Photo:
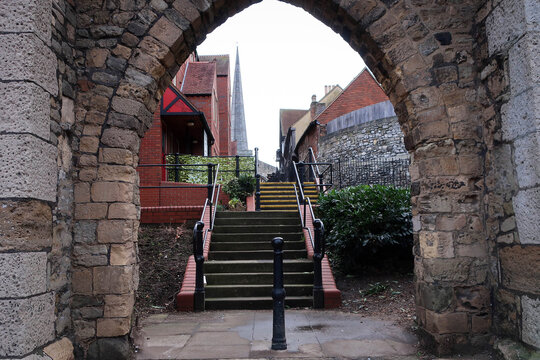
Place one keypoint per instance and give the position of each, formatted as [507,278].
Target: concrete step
[256,221]
[233,291]
[251,214]
[253,303]
[256,237]
[257,278]
[258,245]
[268,229]
[279,207]
[258,266]
[255,255]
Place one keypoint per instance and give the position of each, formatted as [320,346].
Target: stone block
[68,110]
[81,192]
[26,57]
[526,160]
[519,268]
[85,232]
[60,350]
[37,16]
[110,327]
[473,299]
[521,115]
[480,324]
[90,211]
[121,139]
[509,21]
[113,279]
[96,57]
[167,32]
[115,231]
[527,209]
[116,156]
[23,274]
[89,144]
[26,324]
[119,305]
[112,191]
[25,225]
[25,108]
[530,328]
[524,63]
[122,254]
[126,174]
[446,323]
[123,211]
[464,270]
[436,244]
[148,64]
[84,329]
[110,348]
[82,281]
[28,168]
[435,297]
[90,255]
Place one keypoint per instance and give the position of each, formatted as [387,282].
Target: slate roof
[287,117]
[199,78]
[222,63]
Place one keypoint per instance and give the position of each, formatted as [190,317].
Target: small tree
[240,187]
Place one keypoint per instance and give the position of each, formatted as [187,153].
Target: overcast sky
[286,56]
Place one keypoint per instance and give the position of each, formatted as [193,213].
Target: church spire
[238,123]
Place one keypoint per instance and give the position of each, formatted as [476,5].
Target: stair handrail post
[237,170]
[257,182]
[318,255]
[279,342]
[176,172]
[300,173]
[210,180]
[310,160]
[198,252]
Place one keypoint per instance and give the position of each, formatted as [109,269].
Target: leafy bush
[365,221]
[199,174]
[240,187]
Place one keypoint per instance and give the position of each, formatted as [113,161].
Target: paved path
[248,335]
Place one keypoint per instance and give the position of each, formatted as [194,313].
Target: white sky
[286,56]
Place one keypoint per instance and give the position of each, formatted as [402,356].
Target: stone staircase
[239,270]
[280,195]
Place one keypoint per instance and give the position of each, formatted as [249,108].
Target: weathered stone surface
[118,173]
[519,268]
[25,225]
[524,63]
[25,108]
[436,244]
[108,327]
[167,32]
[26,324]
[36,14]
[521,115]
[122,254]
[116,156]
[115,231]
[526,160]
[121,138]
[23,274]
[113,279]
[435,297]
[82,281]
[445,323]
[505,24]
[473,299]
[84,329]
[27,168]
[85,232]
[90,255]
[119,305]
[112,191]
[32,61]
[530,329]
[89,144]
[110,349]
[527,209]
[60,350]
[123,211]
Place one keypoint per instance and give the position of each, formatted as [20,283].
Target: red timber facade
[192,119]
[363,91]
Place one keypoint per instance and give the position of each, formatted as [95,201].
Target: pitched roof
[199,78]
[222,63]
[363,91]
[287,117]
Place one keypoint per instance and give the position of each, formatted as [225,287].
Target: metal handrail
[298,182]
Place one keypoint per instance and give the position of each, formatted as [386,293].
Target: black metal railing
[358,171]
[317,240]
[257,182]
[199,240]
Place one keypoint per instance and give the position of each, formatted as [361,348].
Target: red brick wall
[223,90]
[151,153]
[204,104]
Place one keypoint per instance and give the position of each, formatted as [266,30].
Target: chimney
[313,106]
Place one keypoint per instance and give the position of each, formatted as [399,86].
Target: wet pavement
[248,335]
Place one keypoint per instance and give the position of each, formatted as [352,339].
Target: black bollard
[278,294]
[318,255]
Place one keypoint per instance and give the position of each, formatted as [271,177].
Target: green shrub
[240,187]
[364,223]
[199,174]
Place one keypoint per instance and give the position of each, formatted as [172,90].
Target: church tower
[238,121]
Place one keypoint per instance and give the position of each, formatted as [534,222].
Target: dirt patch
[384,296]
[163,254]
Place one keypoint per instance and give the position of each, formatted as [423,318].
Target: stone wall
[38,81]
[377,139]
[80,81]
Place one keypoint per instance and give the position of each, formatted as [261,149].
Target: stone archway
[444,72]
